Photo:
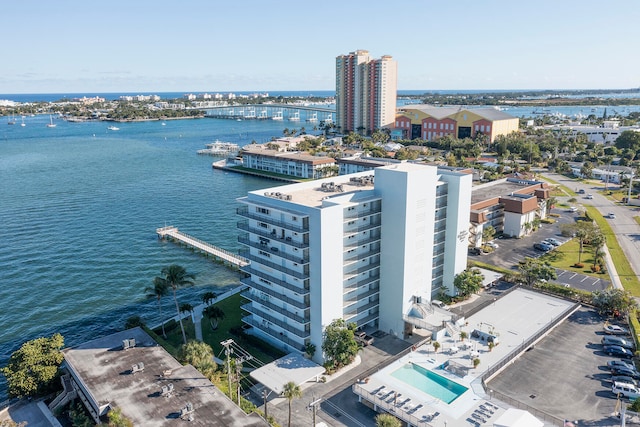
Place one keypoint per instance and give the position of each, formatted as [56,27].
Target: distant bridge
[288,112]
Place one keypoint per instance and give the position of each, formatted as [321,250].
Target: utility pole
[227,351]
[313,406]
[265,394]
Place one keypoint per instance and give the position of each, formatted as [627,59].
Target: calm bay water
[79,206]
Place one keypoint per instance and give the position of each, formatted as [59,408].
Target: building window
[262,210]
[263,225]
[488,128]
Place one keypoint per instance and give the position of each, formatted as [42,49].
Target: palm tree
[213,313]
[291,391]
[159,290]
[207,297]
[176,276]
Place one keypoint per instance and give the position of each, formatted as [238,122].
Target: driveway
[624,226]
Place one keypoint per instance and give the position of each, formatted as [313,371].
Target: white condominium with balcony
[362,247]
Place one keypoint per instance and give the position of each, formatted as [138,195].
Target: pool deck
[515,318]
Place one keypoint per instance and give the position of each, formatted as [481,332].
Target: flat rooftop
[514,318]
[103,368]
[495,189]
[314,193]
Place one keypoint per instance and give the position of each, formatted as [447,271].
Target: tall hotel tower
[366,91]
[363,247]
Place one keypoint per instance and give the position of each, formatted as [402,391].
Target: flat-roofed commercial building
[429,122]
[366,92]
[130,371]
[361,247]
[509,205]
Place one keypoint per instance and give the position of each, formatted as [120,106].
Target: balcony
[349,287]
[366,319]
[265,261]
[269,304]
[302,305]
[267,247]
[271,235]
[370,266]
[375,208]
[302,228]
[264,315]
[249,320]
[354,230]
[361,255]
[303,289]
[354,243]
[352,297]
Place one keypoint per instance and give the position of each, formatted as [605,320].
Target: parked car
[439,304]
[619,370]
[573,209]
[611,215]
[612,363]
[475,251]
[551,241]
[615,329]
[589,196]
[616,350]
[623,379]
[364,339]
[613,340]
[626,390]
[581,191]
[493,245]
[542,246]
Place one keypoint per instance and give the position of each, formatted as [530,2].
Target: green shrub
[578,265]
[548,221]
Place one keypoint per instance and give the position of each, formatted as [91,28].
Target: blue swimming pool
[429,382]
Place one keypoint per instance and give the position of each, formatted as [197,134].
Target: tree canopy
[200,356]
[613,301]
[628,139]
[387,420]
[468,282]
[533,270]
[339,344]
[34,366]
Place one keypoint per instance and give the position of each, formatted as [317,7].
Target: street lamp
[630,185]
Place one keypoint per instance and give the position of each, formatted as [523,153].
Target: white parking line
[595,281]
[562,272]
[574,275]
[585,278]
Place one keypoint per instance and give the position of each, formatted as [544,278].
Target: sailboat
[51,124]
[22,124]
[12,120]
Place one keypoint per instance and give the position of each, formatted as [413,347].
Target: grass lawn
[637,219]
[231,308]
[566,255]
[627,276]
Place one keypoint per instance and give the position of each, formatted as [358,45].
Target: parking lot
[510,251]
[565,374]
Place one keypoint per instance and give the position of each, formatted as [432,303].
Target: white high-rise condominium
[366,92]
[361,247]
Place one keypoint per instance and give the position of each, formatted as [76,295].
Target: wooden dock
[195,243]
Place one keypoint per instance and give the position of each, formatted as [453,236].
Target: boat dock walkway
[195,243]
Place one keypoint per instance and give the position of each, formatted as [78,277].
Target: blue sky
[147,46]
